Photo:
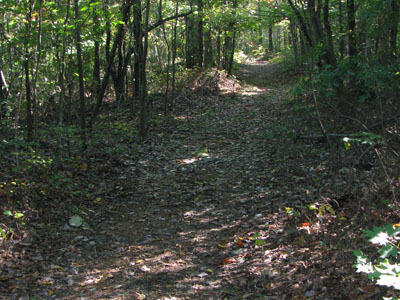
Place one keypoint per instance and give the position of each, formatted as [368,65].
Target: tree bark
[110,59]
[293,35]
[174,49]
[61,101]
[394,27]
[29,115]
[194,38]
[82,108]
[96,63]
[341,40]
[351,26]
[270,38]
[303,24]
[143,83]
[330,51]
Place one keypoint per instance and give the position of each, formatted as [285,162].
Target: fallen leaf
[228,261]
[75,221]
[84,166]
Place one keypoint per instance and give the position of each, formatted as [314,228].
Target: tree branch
[160,22]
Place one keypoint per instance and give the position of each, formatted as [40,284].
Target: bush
[386,268]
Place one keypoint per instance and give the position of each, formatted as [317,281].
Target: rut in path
[187,207]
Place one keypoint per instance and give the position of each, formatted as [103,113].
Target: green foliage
[385,269]
[15,215]
[258,240]
[363,138]
[364,79]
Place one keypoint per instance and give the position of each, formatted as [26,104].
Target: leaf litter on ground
[200,211]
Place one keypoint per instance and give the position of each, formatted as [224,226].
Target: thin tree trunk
[3,96]
[270,38]
[208,49]
[231,53]
[174,49]
[143,83]
[394,26]
[293,34]
[96,63]
[218,58]
[63,68]
[260,33]
[38,57]
[29,116]
[138,45]
[351,26]
[341,40]
[200,45]
[303,24]
[330,51]
[82,107]
[110,61]
[232,43]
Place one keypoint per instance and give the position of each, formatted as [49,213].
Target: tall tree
[82,104]
[351,27]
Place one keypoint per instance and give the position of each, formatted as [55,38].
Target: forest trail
[199,211]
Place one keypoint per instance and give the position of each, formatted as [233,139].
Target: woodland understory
[213,205]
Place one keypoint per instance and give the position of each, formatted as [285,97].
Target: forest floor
[213,206]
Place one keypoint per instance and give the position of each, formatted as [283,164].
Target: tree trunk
[82,108]
[110,59]
[231,52]
[200,46]
[191,44]
[174,49]
[29,104]
[341,40]
[138,45]
[303,24]
[293,35]
[208,49]
[3,98]
[394,26]
[331,57]
[270,38]
[218,51]
[143,84]
[61,101]
[351,26]
[194,38]
[96,63]
[260,32]
[38,58]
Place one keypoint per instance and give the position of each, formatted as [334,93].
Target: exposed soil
[210,207]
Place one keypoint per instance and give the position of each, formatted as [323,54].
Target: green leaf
[312,207]
[3,233]
[388,251]
[75,221]
[380,235]
[8,213]
[363,264]
[346,142]
[261,243]
[18,215]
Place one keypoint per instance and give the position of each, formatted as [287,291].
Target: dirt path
[199,212]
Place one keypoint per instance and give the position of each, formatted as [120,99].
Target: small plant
[386,268]
[258,240]
[363,138]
